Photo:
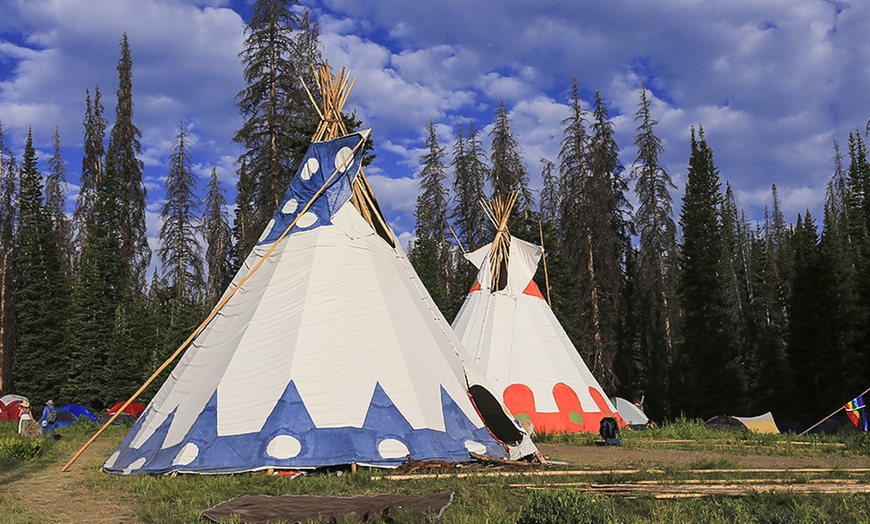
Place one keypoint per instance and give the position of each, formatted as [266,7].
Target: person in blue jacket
[48,419]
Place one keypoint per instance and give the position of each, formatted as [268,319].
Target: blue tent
[77,411]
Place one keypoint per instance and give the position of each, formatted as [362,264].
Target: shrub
[21,449]
[559,507]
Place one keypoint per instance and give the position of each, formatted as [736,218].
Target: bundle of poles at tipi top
[334,94]
[498,210]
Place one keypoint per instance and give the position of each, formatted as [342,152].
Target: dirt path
[83,494]
[619,457]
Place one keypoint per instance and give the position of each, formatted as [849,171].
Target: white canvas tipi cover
[330,353]
[515,338]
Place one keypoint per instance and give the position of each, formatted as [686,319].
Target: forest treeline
[704,313]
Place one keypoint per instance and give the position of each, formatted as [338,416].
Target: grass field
[678,473]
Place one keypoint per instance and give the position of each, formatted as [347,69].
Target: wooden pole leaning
[544,258]
[841,408]
[216,309]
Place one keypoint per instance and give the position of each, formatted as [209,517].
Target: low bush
[559,507]
[15,448]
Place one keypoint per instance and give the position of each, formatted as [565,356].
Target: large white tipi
[327,351]
[513,335]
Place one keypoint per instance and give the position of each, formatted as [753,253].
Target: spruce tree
[55,202]
[278,117]
[470,172]
[8,220]
[713,376]
[218,240]
[806,327]
[655,266]
[507,173]
[98,377]
[549,198]
[122,156]
[179,249]
[92,167]
[40,365]
[432,250]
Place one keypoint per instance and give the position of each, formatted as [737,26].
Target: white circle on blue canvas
[342,159]
[390,448]
[186,455]
[307,220]
[135,466]
[310,168]
[112,459]
[475,447]
[290,206]
[284,447]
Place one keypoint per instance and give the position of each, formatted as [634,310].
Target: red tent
[134,409]
[9,407]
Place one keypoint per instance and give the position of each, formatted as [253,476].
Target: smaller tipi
[514,337]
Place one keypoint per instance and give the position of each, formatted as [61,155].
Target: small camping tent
[630,413]
[326,350]
[134,409]
[758,424]
[10,407]
[510,330]
[67,415]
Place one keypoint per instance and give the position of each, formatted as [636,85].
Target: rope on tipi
[334,91]
[498,211]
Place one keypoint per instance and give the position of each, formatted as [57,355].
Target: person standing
[27,427]
[49,419]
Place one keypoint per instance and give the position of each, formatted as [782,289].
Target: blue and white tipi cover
[331,353]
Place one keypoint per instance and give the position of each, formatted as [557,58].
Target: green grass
[483,499]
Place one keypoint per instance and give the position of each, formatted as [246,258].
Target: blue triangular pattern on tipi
[322,160]
[317,447]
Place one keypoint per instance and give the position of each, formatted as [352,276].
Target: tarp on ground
[305,508]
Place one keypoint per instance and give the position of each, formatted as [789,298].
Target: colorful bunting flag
[857,413]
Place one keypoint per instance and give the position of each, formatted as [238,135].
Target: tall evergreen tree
[92,167]
[41,310]
[713,374]
[432,232]
[607,233]
[508,173]
[569,297]
[55,202]
[122,157]
[469,171]
[278,117]
[102,300]
[549,197]
[218,240]
[180,251]
[8,220]
[655,265]
[806,331]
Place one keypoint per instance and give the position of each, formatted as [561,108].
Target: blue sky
[773,82]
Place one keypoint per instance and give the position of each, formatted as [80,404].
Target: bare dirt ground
[618,457]
[75,496]
[85,495]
